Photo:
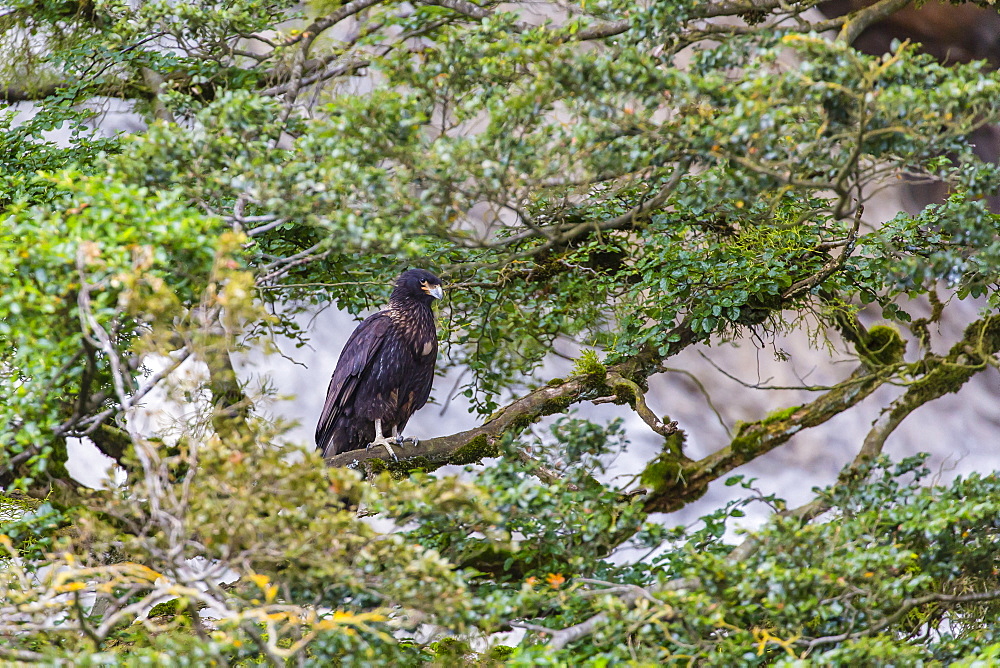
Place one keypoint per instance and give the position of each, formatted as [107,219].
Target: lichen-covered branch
[676,481]
[628,391]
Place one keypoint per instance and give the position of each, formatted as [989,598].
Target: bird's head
[418,284]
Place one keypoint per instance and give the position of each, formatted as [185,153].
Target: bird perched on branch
[385,371]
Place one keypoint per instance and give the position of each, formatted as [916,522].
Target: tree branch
[628,391]
[942,375]
[11,94]
[904,608]
[805,513]
[860,20]
[483,441]
[676,482]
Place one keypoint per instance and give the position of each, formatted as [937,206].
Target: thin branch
[256,231]
[628,391]
[575,231]
[832,266]
[469,9]
[904,608]
[542,472]
[704,392]
[271,271]
[761,386]
[309,35]
[349,67]
[94,422]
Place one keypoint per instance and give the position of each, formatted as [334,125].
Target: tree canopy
[636,178]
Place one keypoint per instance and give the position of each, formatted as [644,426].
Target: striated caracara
[385,371]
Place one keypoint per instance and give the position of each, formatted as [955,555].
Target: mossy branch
[484,441]
[474,444]
[860,20]
[941,375]
[112,441]
[628,392]
[688,481]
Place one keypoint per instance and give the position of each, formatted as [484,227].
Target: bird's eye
[424,282]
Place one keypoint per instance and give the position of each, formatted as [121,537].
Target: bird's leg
[399,437]
[382,440]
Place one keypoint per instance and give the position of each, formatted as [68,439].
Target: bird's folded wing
[358,354]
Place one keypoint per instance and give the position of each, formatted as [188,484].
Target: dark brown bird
[385,371]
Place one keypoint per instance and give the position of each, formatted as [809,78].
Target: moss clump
[669,467]
[552,383]
[945,375]
[749,435]
[883,346]
[556,405]
[674,443]
[523,421]
[942,379]
[171,608]
[625,391]
[497,655]
[475,451]
[662,473]
[667,479]
[451,651]
[781,414]
[589,367]
[747,439]
[14,504]
[403,468]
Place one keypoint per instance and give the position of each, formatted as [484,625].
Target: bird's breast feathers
[416,330]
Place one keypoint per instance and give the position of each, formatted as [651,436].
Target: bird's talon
[384,443]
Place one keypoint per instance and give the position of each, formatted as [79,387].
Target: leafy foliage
[634,179]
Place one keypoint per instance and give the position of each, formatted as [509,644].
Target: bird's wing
[359,351]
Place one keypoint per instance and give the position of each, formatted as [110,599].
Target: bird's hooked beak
[436,292]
